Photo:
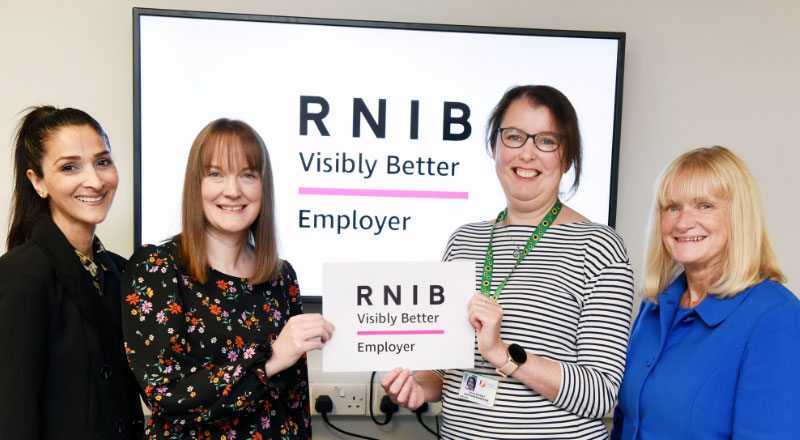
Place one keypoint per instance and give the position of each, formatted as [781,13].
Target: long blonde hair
[749,257]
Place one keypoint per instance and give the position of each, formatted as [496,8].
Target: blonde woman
[714,351]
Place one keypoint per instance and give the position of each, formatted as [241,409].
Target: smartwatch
[516,357]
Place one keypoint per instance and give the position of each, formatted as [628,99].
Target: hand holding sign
[401,387]
[485,316]
[298,336]
[390,314]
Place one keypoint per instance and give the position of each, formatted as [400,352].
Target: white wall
[697,73]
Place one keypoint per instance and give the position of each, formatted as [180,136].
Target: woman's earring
[42,194]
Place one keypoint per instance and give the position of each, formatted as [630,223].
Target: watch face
[517,353]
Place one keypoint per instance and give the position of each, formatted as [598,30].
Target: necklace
[517,251]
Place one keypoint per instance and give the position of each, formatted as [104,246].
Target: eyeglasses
[515,138]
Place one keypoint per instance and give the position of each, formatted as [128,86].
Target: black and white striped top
[569,301]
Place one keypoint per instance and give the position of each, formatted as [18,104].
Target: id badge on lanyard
[475,387]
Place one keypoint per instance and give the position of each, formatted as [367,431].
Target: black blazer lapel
[114,265]
[78,284]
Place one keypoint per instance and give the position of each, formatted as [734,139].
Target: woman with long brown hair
[213,318]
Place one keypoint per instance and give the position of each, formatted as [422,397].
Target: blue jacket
[730,369]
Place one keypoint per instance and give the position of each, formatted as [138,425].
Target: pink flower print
[233,356]
[264,422]
[147,307]
[238,371]
[249,353]
[277,315]
[232,289]
[161,317]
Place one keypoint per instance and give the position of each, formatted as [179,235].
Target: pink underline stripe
[399,332]
[383,193]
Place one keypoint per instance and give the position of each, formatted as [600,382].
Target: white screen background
[195,70]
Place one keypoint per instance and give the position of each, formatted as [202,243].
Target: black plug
[387,406]
[422,409]
[323,404]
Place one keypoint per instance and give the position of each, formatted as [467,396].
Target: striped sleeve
[589,386]
[568,301]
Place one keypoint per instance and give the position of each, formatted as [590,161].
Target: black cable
[324,405]
[387,406]
[325,418]
[419,411]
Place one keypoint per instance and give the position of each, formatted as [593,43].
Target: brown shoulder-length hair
[749,257]
[233,141]
[564,116]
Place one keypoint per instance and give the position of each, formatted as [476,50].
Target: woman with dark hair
[554,298]
[66,375]
[213,322]
[715,349]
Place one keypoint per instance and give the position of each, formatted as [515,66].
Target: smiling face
[231,193]
[79,179]
[529,177]
[694,230]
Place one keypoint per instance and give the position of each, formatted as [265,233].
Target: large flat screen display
[376,130]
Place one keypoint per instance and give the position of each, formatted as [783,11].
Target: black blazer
[63,371]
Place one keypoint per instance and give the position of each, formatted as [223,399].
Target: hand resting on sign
[301,333]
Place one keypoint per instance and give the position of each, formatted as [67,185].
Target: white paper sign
[389,315]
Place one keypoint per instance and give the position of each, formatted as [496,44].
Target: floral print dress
[199,351]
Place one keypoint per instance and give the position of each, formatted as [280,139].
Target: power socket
[348,399]
[434,408]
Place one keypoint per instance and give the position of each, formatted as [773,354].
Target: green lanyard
[488,263]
